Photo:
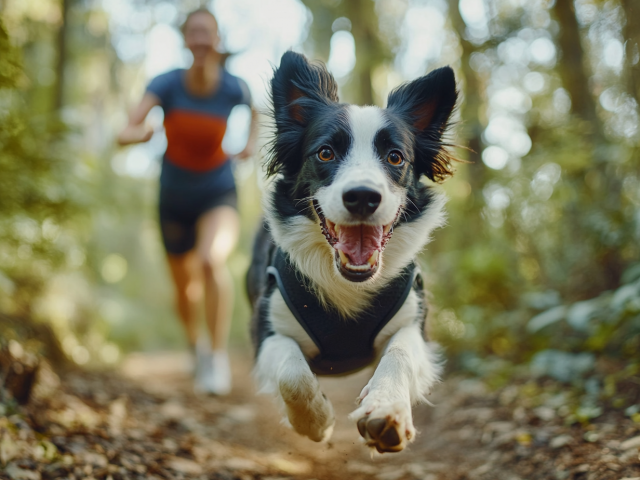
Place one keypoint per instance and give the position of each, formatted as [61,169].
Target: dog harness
[345,344]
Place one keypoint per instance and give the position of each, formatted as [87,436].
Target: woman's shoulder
[172,76]
[231,79]
[164,85]
[235,85]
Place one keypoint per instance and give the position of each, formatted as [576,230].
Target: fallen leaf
[96,459]
[633,442]
[560,441]
[245,464]
[183,465]
[8,448]
[17,473]
[173,410]
[292,467]
[117,415]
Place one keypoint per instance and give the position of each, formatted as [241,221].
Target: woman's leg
[188,289]
[217,235]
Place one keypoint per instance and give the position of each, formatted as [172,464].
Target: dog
[333,281]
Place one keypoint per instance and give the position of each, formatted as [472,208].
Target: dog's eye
[326,154]
[395,158]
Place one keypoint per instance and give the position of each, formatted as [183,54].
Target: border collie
[333,281]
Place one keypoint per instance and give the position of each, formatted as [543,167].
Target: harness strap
[345,344]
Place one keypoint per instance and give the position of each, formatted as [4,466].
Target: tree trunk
[470,111]
[369,50]
[18,372]
[58,95]
[39,335]
[607,265]
[572,65]
[632,36]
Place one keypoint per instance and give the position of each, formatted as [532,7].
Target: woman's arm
[250,148]
[136,131]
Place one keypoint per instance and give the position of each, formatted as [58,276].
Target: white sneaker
[200,354]
[213,373]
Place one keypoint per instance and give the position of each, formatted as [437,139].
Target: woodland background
[537,274]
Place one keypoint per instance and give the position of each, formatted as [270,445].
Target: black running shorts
[180,211]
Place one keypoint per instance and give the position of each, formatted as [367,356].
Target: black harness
[345,345]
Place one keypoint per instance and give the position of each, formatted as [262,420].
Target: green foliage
[607,324]
[537,273]
[39,200]
[10,65]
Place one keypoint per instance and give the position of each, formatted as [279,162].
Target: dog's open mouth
[357,247]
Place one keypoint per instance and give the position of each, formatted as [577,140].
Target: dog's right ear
[299,89]
[297,85]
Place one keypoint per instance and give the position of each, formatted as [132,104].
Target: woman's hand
[135,134]
[136,131]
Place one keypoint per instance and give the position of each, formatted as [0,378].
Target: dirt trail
[145,422]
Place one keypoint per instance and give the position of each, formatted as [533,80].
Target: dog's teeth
[373,258]
[330,224]
[387,229]
[343,257]
[336,228]
[358,268]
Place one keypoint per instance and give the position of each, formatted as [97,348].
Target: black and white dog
[333,281]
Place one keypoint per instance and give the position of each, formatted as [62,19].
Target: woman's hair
[205,10]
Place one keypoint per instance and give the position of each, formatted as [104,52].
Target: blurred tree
[36,213]
[371,50]
[470,129]
[558,226]
[573,66]
[605,255]
[632,54]
[10,66]
[472,104]
[33,206]
[61,61]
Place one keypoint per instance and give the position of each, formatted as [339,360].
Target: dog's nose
[361,201]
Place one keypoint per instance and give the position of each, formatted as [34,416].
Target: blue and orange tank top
[195,127]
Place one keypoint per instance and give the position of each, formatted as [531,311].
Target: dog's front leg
[282,369]
[407,371]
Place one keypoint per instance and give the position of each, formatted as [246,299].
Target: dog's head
[355,171]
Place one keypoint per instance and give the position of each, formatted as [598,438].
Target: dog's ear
[426,104]
[299,89]
[297,84]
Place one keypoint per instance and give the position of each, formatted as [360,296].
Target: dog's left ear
[426,105]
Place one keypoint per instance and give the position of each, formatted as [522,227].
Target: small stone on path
[630,443]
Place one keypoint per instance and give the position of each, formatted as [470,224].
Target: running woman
[198,202]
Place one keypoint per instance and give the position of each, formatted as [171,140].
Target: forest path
[145,422]
[251,425]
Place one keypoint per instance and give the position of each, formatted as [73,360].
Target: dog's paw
[309,412]
[386,428]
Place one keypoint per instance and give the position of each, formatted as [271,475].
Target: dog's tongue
[359,242]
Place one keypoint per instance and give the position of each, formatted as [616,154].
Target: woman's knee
[210,263]
[217,235]
[214,267]
[188,292]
